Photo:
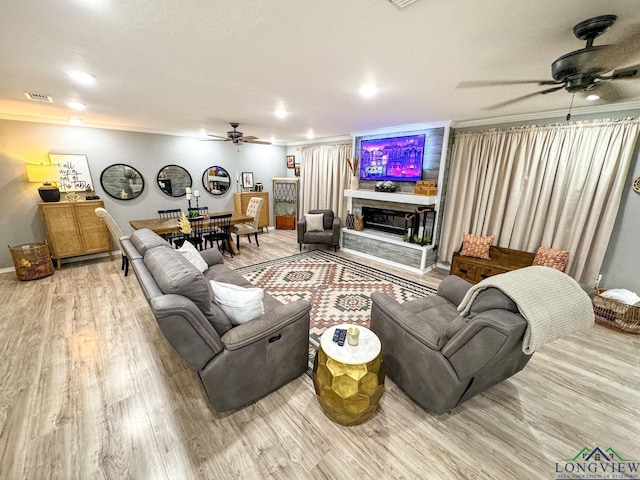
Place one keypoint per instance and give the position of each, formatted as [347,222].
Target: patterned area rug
[337,288]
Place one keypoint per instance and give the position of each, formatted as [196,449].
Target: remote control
[336,335]
[343,337]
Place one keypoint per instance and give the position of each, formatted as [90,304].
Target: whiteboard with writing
[74,171]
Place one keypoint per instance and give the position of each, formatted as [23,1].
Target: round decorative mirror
[173,180]
[122,182]
[216,180]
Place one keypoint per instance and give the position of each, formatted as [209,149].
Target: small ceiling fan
[236,137]
[584,70]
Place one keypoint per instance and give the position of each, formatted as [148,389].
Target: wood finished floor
[90,389]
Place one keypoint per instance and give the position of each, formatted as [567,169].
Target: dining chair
[195,237]
[253,210]
[219,231]
[199,210]
[116,233]
[167,214]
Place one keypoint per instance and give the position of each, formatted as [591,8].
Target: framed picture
[291,161]
[74,171]
[297,170]
[247,179]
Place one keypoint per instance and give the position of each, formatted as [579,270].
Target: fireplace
[416,225]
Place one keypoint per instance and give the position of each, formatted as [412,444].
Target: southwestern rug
[339,289]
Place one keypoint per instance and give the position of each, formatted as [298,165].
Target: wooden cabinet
[74,229]
[241,200]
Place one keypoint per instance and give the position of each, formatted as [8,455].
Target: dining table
[166,226]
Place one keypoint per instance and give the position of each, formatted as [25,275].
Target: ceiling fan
[584,70]
[236,137]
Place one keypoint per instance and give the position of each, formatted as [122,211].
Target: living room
[91,386]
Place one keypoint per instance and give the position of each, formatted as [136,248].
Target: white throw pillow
[239,303]
[314,222]
[194,257]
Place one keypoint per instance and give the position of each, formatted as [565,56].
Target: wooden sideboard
[241,200]
[73,228]
[502,260]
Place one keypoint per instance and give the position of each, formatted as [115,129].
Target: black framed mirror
[173,180]
[122,182]
[216,180]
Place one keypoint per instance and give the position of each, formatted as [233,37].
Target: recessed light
[82,78]
[368,90]
[76,105]
[310,134]
[593,97]
[280,113]
[75,121]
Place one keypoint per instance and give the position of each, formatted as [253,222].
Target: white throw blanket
[552,303]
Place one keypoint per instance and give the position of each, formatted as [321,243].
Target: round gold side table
[349,380]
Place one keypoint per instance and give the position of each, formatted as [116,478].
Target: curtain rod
[601,122]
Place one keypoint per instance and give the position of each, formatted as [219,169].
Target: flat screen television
[392,158]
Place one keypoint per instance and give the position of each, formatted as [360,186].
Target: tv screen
[392,158]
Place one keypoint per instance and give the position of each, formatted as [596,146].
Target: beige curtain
[324,175]
[557,185]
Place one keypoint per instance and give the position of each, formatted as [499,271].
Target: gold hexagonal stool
[349,380]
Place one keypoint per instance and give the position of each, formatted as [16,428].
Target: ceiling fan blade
[256,141]
[523,97]
[214,139]
[495,83]
[627,73]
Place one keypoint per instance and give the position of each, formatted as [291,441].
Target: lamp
[45,174]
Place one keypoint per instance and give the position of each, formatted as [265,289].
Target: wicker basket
[616,314]
[32,261]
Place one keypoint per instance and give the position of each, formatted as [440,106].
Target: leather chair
[116,233]
[441,359]
[329,236]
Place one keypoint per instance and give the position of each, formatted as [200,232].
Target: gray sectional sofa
[236,364]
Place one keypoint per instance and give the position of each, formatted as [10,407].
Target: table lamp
[45,174]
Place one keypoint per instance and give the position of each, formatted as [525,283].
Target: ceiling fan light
[593,97]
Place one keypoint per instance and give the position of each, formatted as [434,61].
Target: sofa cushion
[174,274]
[551,257]
[476,246]
[314,222]
[189,252]
[145,239]
[239,303]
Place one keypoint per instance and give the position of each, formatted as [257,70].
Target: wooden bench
[502,260]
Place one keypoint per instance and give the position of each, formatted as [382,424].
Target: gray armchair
[441,359]
[329,236]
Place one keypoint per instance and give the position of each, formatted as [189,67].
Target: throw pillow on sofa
[551,257]
[239,303]
[476,246]
[315,222]
[190,253]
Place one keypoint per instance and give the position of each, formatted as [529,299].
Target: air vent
[402,3]
[39,97]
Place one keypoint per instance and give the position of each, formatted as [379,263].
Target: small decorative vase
[350,220]
[355,183]
[358,224]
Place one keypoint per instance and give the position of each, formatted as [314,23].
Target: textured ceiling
[182,66]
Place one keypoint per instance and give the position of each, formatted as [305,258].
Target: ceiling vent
[402,3]
[39,97]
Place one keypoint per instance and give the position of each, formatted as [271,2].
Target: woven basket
[32,261]
[616,314]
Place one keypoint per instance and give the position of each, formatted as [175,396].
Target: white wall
[25,142]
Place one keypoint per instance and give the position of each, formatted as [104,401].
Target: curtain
[556,185]
[324,175]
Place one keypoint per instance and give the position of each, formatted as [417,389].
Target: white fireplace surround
[388,246]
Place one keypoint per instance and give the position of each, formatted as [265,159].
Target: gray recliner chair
[441,359]
[329,236]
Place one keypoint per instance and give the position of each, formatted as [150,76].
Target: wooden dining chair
[219,231]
